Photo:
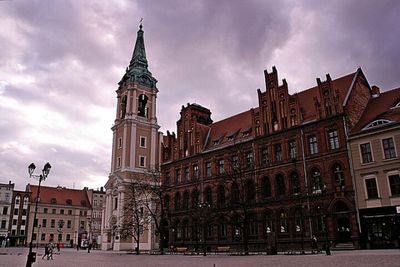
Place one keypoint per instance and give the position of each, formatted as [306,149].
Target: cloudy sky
[60,62]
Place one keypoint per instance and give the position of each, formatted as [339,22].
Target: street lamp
[203,206]
[45,172]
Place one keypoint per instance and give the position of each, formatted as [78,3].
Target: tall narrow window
[177,201]
[249,159]
[280,185]
[338,175]
[295,183]
[312,142]
[208,169]
[185,200]
[178,177]
[186,174]
[264,156]
[221,167]
[292,149]
[283,222]
[388,148]
[372,189]
[266,187]
[278,152]
[208,196]
[143,142]
[142,106]
[394,181]
[317,181]
[142,161]
[366,153]
[235,162]
[333,139]
[195,172]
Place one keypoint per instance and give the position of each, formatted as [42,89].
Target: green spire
[138,67]
[139,59]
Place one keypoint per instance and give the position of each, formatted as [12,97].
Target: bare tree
[134,219]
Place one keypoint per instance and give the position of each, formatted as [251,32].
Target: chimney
[375,91]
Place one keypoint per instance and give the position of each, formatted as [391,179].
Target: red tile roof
[380,107]
[61,195]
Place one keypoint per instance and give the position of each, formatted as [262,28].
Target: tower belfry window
[123,106]
[142,106]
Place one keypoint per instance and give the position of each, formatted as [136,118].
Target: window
[23,222]
[53,211]
[142,161]
[61,211]
[316,181]
[16,211]
[292,149]
[394,181]
[253,227]
[142,106]
[177,201]
[208,196]
[44,223]
[68,237]
[53,201]
[69,212]
[388,148]
[264,156]
[17,200]
[45,210]
[15,222]
[269,223]
[208,169]
[51,237]
[221,168]
[366,153]
[249,159]
[178,177]
[52,223]
[266,187]
[372,189]
[5,210]
[280,185]
[376,123]
[118,162]
[333,139]
[143,142]
[167,178]
[3,224]
[120,142]
[186,174]
[43,237]
[278,152]
[312,142]
[283,222]
[195,172]
[235,193]
[295,183]
[221,196]
[115,203]
[235,162]
[338,175]
[68,201]
[34,236]
[185,203]
[223,230]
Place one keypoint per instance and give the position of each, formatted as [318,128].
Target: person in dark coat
[46,251]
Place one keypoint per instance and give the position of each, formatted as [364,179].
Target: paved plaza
[10,257]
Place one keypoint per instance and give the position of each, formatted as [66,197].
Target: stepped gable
[306,97]
[380,107]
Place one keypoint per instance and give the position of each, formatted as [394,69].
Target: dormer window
[397,105]
[68,201]
[216,142]
[53,201]
[376,123]
[246,132]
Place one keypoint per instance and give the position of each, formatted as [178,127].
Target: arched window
[185,200]
[376,123]
[250,191]
[294,177]
[235,193]
[177,201]
[317,184]
[338,174]
[298,220]
[221,196]
[280,185]
[208,196]
[185,229]
[266,187]
[123,107]
[142,106]
[253,226]
[195,198]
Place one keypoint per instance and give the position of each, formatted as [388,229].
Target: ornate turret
[138,67]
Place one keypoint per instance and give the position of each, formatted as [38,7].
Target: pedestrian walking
[50,254]
[89,247]
[58,247]
[46,251]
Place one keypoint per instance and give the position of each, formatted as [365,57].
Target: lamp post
[45,172]
[202,207]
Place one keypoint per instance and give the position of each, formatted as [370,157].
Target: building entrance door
[344,230]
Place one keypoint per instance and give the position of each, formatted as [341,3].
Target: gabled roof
[306,97]
[232,129]
[61,195]
[382,107]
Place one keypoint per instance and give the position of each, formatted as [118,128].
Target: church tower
[135,148]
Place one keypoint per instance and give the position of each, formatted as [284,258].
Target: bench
[294,252]
[224,249]
[181,250]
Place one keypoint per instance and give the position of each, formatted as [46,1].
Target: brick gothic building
[293,154]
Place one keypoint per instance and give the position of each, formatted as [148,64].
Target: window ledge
[367,163]
[385,160]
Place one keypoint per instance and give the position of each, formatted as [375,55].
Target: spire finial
[141,23]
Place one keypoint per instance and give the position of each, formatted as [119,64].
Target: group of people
[49,250]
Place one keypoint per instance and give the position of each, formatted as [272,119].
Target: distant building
[63,216]
[96,198]
[275,175]
[6,194]
[375,148]
[19,219]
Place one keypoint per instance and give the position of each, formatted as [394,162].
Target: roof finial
[141,23]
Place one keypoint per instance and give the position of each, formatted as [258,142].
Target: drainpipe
[305,178]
